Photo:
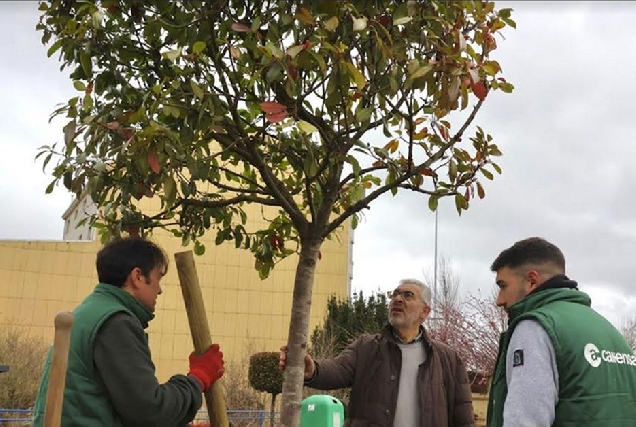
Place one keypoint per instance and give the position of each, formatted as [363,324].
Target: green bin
[321,410]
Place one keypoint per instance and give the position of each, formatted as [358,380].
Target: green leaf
[198,47]
[293,51]
[433,202]
[50,187]
[355,165]
[54,47]
[487,173]
[199,248]
[87,64]
[364,114]
[170,190]
[79,85]
[69,132]
[421,72]
[197,90]
[402,20]
[357,76]
[460,203]
[332,23]
[306,127]
[172,55]
[309,165]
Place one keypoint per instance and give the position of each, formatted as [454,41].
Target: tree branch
[364,202]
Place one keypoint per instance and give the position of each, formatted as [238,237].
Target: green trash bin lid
[321,410]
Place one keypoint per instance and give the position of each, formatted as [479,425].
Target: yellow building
[40,278]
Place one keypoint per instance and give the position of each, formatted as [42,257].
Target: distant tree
[312,109]
[471,325]
[346,319]
[265,375]
[628,329]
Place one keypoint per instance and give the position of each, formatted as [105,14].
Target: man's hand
[310,366]
[207,367]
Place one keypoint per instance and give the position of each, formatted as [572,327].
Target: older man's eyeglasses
[406,295]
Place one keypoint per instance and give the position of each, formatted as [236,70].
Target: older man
[398,377]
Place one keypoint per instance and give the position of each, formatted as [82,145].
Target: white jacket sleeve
[532,377]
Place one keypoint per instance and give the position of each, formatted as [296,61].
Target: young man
[398,377]
[560,363]
[111,377]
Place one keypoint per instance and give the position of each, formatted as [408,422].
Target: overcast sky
[567,133]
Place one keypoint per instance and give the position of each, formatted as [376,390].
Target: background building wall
[245,314]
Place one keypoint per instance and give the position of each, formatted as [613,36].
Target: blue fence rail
[237,416]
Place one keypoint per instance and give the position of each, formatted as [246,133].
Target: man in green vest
[560,363]
[111,379]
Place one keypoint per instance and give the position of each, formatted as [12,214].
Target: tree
[346,320]
[471,325]
[265,376]
[628,329]
[312,109]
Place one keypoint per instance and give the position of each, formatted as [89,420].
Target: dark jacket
[371,367]
[110,379]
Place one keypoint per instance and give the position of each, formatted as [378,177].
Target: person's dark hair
[119,257]
[533,251]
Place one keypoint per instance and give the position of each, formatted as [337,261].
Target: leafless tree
[628,329]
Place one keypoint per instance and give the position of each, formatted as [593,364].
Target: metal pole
[435,266]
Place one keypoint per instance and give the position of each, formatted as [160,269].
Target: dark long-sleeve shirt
[122,357]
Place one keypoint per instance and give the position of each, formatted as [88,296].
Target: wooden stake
[57,374]
[200,331]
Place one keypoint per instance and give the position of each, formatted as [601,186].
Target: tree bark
[293,377]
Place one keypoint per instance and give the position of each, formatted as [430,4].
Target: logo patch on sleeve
[517,358]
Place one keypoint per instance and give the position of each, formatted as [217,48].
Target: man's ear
[136,277]
[425,312]
[534,278]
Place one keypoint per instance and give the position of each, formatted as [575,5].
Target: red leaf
[426,171]
[479,89]
[153,161]
[133,230]
[241,28]
[480,191]
[293,72]
[271,107]
[126,133]
[277,117]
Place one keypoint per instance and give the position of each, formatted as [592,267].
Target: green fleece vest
[86,401]
[597,369]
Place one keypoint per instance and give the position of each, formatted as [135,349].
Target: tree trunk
[298,333]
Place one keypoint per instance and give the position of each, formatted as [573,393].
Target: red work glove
[207,367]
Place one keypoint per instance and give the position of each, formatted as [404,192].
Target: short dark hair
[533,250]
[119,257]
